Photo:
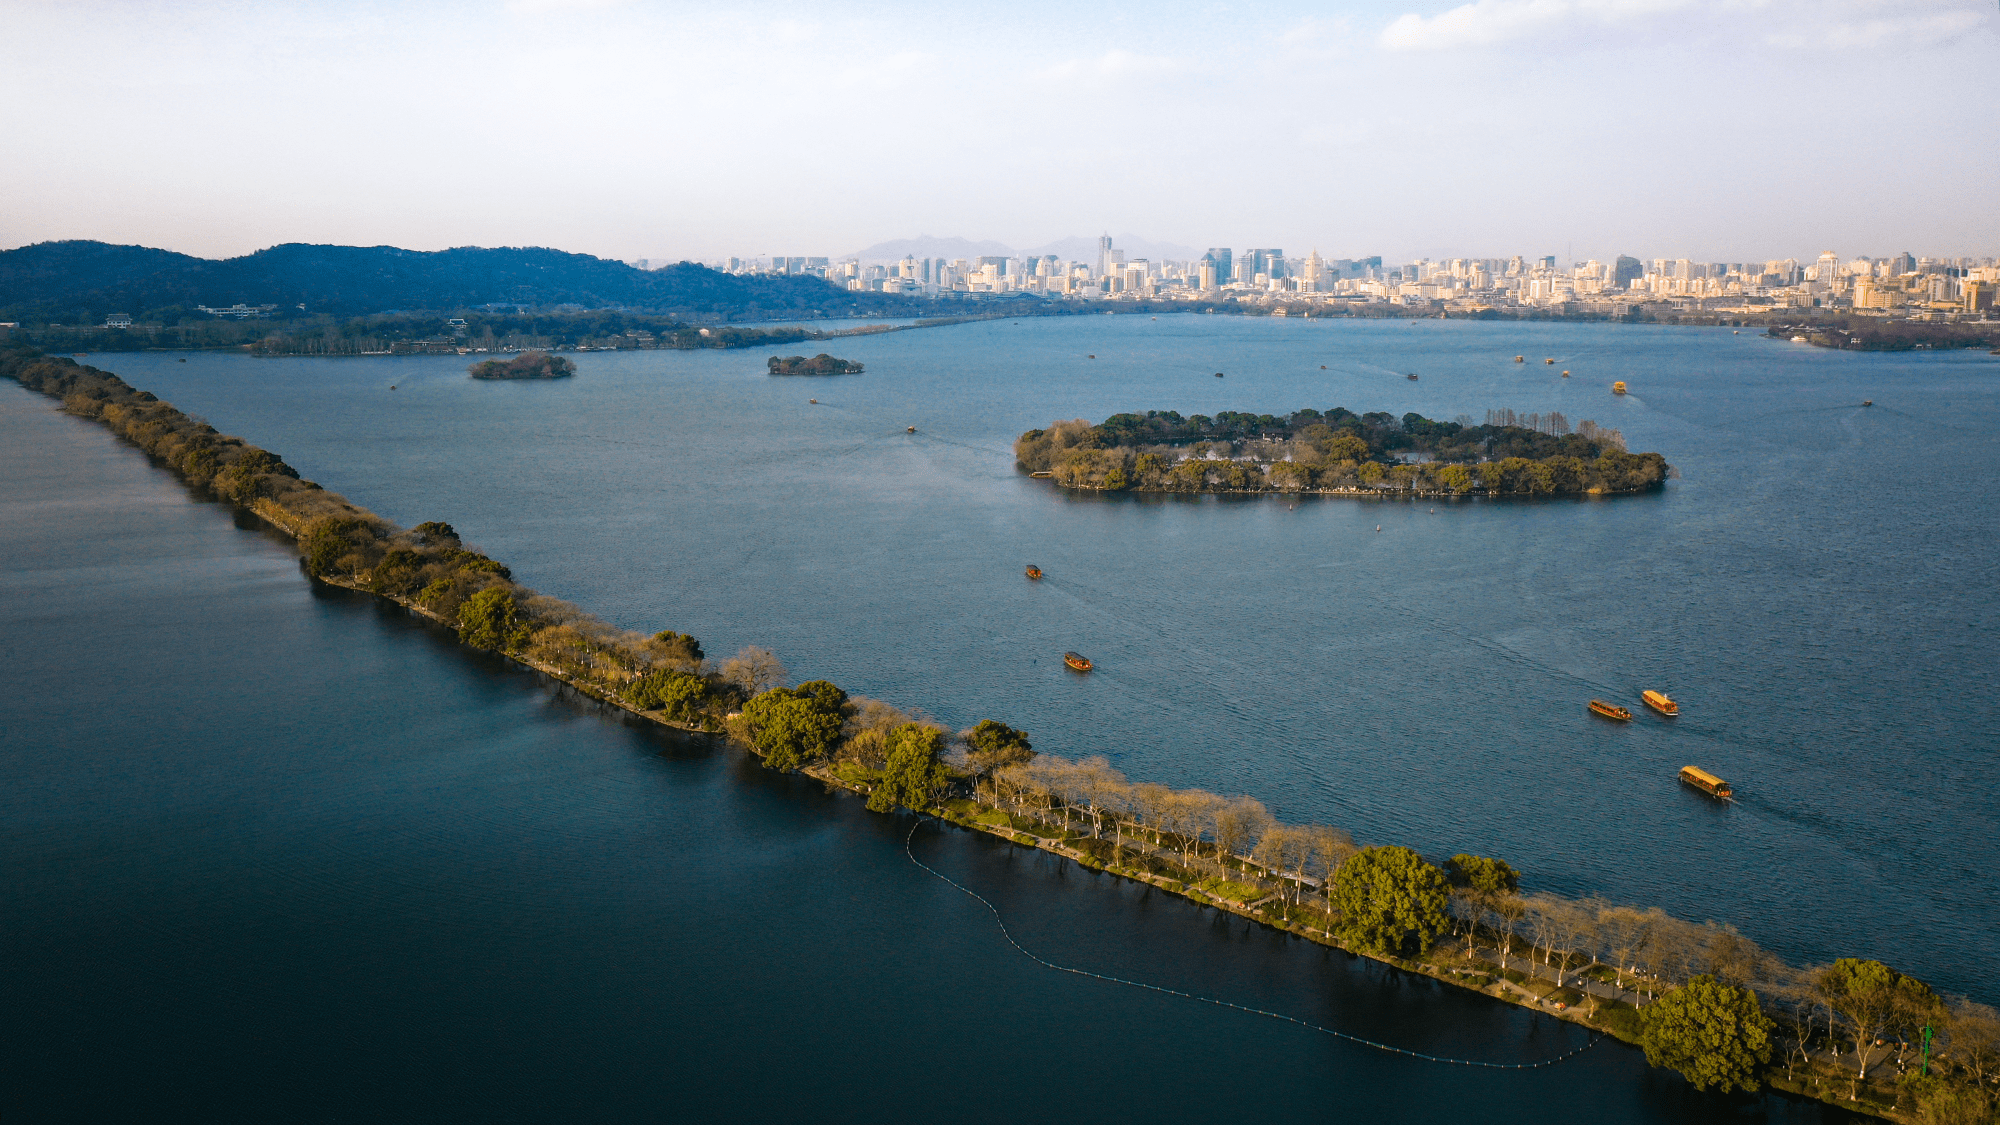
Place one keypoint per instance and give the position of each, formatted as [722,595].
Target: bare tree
[1279,849]
[1624,933]
[1330,847]
[1973,1033]
[754,670]
[1238,823]
[1186,815]
[1149,802]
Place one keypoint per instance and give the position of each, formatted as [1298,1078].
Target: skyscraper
[1219,256]
[1104,255]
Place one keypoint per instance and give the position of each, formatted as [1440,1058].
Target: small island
[821,364]
[527,365]
[1339,452]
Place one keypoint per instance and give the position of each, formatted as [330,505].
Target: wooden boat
[1218,374]
[1658,701]
[1520,359]
[1412,376]
[1076,663]
[1565,374]
[1864,402]
[1550,362]
[1618,388]
[1610,711]
[1034,571]
[1706,782]
[913,429]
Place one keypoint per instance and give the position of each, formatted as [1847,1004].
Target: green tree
[1114,480]
[487,619]
[794,726]
[914,776]
[1388,897]
[1714,1034]
[1478,883]
[1870,998]
[680,694]
[994,745]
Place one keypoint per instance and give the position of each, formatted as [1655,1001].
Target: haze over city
[1405,128]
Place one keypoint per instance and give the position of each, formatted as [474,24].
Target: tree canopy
[1714,1034]
[793,726]
[993,745]
[1390,897]
[914,775]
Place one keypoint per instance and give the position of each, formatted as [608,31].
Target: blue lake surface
[324,827]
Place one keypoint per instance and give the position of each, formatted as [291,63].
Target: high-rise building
[1626,271]
[1221,258]
[1208,274]
[1104,262]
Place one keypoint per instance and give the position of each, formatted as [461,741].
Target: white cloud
[1486,23]
[1110,69]
[1904,32]
[1799,24]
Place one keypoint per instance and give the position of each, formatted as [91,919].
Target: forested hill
[83,282]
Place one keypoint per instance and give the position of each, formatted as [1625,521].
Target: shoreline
[312,508]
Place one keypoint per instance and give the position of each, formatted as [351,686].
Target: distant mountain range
[82,282]
[1073,249]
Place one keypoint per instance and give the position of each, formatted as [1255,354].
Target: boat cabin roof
[1700,774]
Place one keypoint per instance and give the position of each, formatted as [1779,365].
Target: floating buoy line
[1023,950]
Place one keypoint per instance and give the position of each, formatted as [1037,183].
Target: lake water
[310,772]
[277,853]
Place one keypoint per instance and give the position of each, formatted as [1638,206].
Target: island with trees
[821,364]
[1339,452]
[527,365]
[1697,997]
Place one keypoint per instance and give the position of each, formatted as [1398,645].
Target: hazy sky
[1709,129]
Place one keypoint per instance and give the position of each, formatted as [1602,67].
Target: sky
[1717,130]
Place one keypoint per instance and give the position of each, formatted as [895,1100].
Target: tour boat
[1618,388]
[1610,711]
[1034,571]
[1706,782]
[1076,662]
[1550,362]
[1658,701]
[913,429]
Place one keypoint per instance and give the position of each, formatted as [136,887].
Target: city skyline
[1409,128]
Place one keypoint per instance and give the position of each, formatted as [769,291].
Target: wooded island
[527,365]
[821,364]
[1339,451]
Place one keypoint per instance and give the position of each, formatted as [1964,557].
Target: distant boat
[1618,388]
[1076,662]
[1218,374]
[1034,571]
[1550,362]
[1520,359]
[1706,782]
[1092,356]
[1658,701]
[913,429]
[1867,402]
[1412,376]
[1610,711]
[1565,374]
[813,401]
